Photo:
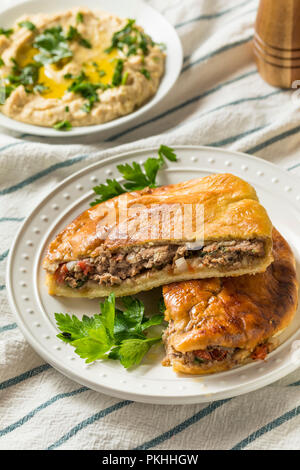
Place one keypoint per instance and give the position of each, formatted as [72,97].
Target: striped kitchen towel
[219,100]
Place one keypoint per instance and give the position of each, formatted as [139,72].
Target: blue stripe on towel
[86,422]
[182,426]
[42,173]
[273,140]
[4,255]
[212,15]
[182,105]
[267,428]
[11,326]
[41,407]
[26,375]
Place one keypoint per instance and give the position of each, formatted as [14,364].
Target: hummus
[76,68]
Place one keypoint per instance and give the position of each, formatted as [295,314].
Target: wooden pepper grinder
[277,41]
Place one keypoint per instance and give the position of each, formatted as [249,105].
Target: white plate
[150,382]
[153,23]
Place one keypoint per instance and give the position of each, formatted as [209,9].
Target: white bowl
[153,23]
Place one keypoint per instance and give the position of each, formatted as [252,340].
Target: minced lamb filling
[212,354]
[111,268]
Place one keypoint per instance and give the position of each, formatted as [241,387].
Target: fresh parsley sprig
[136,177]
[115,334]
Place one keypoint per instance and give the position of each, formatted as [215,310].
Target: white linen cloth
[220,100]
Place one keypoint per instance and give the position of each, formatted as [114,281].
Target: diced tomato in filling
[260,352]
[202,354]
[219,354]
[86,268]
[211,355]
[61,273]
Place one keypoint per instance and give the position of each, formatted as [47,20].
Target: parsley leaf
[132,351]
[134,176]
[6,32]
[73,328]
[27,24]
[153,321]
[107,191]
[63,126]
[113,334]
[74,35]
[5,91]
[86,89]
[108,315]
[117,76]
[122,37]
[52,45]
[146,73]
[134,311]
[95,346]
[79,17]
[129,39]
[25,76]
[124,78]
[1,62]
[167,152]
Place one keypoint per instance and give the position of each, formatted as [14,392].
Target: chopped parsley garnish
[124,78]
[67,109]
[79,17]
[6,32]
[86,89]
[117,76]
[26,76]
[74,35]
[129,39]
[115,334]
[27,24]
[5,91]
[40,88]
[63,126]
[146,73]
[100,72]
[52,45]
[68,76]
[135,176]
[1,62]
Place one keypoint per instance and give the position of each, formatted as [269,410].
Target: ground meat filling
[208,357]
[111,268]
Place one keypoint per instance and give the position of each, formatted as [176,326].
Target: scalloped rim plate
[151,20]
[150,382]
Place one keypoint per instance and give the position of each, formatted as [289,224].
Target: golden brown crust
[231,212]
[240,312]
